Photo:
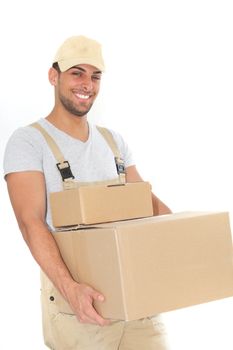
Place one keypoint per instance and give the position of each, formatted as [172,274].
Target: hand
[81,298]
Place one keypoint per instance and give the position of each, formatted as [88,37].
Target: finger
[94,317]
[100,322]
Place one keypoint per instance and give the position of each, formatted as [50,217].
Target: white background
[168,90]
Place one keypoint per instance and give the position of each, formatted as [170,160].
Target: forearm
[159,208]
[28,198]
[45,251]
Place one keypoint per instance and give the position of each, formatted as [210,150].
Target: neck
[75,126]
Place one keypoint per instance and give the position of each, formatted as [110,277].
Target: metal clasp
[65,170]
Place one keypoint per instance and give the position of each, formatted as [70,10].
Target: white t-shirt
[90,161]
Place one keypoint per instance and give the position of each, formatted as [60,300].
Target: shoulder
[122,145]
[23,150]
[115,134]
[24,134]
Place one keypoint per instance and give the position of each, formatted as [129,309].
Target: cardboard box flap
[186,215]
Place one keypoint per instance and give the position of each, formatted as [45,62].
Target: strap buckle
[120,165]
[65,171]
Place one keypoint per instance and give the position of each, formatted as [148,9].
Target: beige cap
[79,50]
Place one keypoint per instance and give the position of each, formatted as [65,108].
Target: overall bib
[61,329]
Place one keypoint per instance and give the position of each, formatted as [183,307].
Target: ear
[53,76]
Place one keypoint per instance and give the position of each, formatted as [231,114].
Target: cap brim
[67,64]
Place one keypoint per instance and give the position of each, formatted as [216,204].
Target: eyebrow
[84,70]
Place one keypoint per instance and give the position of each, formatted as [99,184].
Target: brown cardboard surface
[152,265]
[101,203]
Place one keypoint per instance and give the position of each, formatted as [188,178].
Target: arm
[159,207]
[28,198]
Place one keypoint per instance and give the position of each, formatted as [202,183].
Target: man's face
[77,88]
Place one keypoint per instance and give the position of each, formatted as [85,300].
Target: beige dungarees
[61,329]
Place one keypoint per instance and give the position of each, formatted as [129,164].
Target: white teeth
[85,97]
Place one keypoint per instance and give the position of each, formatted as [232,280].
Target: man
[31,174]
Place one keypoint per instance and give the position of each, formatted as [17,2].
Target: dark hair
[56,66]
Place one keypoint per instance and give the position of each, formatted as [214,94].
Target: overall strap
[62,164]
[107,135]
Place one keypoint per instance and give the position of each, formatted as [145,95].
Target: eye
[76,73]
[96,77]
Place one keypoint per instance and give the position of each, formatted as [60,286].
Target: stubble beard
[72,108]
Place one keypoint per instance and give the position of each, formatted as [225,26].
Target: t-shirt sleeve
[124,149]
[22,152]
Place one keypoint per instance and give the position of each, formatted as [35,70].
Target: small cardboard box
[93,204]
[152,265]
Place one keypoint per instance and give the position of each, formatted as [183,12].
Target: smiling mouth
[82,97]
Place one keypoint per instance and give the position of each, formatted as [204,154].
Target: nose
[87,84]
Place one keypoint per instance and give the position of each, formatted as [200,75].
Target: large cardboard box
[101,203]
[152,265]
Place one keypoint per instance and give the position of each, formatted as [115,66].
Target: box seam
[121,273]
[82,209]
